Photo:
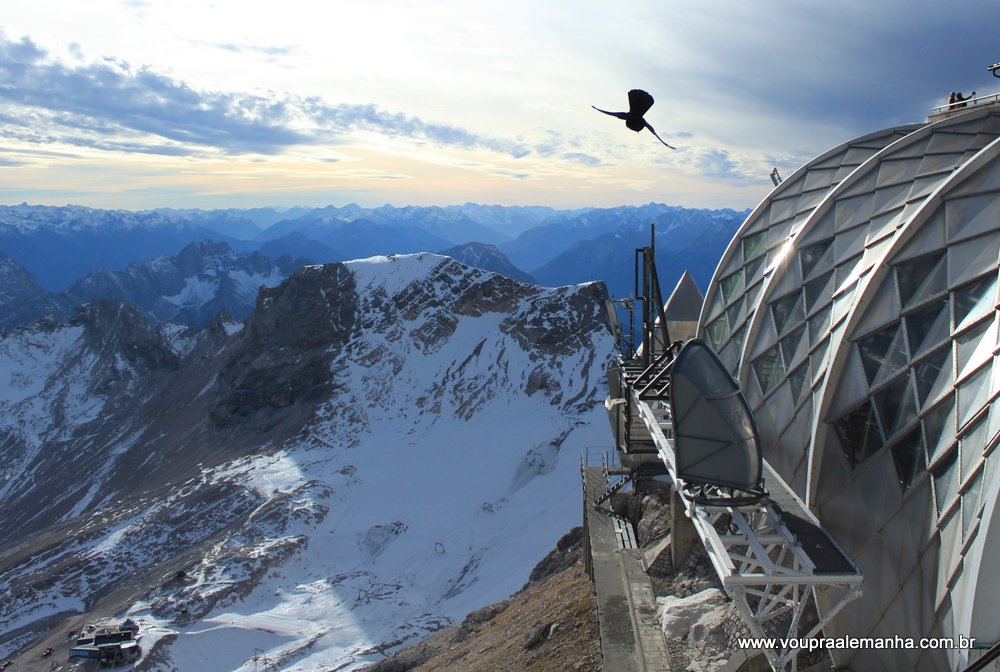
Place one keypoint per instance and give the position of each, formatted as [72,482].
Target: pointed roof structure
[684,304]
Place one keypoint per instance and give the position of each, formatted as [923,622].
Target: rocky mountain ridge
[371,455]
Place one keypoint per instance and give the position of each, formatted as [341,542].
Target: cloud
[347,117]
[253,48]
[113,105]
[580,157]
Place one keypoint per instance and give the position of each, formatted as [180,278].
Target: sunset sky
[139,104]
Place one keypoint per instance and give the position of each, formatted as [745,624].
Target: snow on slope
[433,512]
[440,465]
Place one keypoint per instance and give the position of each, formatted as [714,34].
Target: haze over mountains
[63,256]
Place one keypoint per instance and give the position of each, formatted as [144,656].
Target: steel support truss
[779,590]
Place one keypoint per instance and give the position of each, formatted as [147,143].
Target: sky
[138,104]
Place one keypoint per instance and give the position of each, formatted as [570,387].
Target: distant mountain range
[71,254]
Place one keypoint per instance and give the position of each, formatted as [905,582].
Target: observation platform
[947,110]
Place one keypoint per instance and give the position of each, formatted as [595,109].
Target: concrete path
[631,639]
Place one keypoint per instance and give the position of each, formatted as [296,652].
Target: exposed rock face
[284,351]
[563,556]
[192,287]
[489,258]
[435,407]
[22,299]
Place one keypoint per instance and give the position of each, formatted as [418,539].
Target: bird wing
[657,135]
[639,102]
[620,115]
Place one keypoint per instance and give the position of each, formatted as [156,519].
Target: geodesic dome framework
[857,306]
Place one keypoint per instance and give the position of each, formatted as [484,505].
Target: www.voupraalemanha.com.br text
[845,643]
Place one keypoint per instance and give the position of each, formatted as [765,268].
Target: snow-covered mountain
[190,288]
[61,244]
[488,257]
[381,447]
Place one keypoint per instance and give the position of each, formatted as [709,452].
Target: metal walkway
[631,638]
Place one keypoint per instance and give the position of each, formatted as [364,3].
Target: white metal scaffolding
[787,577]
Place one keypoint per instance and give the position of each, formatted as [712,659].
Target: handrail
[967,103]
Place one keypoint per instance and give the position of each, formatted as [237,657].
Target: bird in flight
[639,103]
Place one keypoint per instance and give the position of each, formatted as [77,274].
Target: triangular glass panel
[859,434]
[759,221]
[882,352]
[971,446]
[851,212]
[809,200]
[975,299]
[864,182]
[754,245]
[768,369]
[818,258]
[716,306]
[734,312]
[782,209]
[970,505]
[928,328]
[986,178]
[797,381]
[935,164]
[819,290]
[788,311]
[896,405]
[972,258]
[934,376]
[851,386]
[923,186]
[718,331]
[765,335]
[777,235]
[817,229]
[752,293]
[891,198]
[922,278]
[819,178]
[946,481]
[940,428]
[729,359]
[896,171]
[908,457]
[738,337]
[882,309]
[819,325]
[884,225]
[731,284]
[927,238]
[975,346]
[972,395]
[849,243]
[950,141]
[752,271]
[968,217]
[791,345]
